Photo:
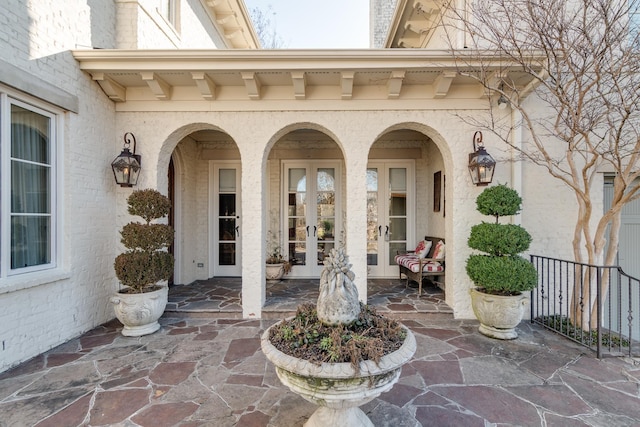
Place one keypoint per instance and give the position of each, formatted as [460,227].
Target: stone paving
[207,371]
[220,297]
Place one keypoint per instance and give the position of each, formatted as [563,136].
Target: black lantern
[481,164]
[126,167]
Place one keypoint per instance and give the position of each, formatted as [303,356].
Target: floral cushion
[438,252]
[412,263]
[423,248]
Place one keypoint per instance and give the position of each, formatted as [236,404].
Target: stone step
[282,314]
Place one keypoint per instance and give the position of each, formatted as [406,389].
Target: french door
[226,237]
[390,214]
[311,205]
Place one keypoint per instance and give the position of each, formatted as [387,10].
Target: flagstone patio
[209,371]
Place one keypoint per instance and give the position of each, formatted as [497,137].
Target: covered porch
[362,148]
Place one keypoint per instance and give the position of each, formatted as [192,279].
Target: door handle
[314,230]
[386,233]
[307,231]
[237,231]
[379,230]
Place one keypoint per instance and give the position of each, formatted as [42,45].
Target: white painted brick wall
[381,14]
[141,26]
[37,36]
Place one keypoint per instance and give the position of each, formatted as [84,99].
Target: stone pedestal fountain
[339,388]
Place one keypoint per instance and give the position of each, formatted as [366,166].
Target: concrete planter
[336,387]
[139,313]
[498,315]
[274,271]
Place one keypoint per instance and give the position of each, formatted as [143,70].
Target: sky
[318,24]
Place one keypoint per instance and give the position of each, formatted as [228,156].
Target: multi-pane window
[27,190]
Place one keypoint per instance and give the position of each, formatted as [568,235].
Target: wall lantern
[481,164]
[503,102]
[126,167]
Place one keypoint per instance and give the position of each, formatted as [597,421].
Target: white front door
[225,222]
[390,214]
[310,214]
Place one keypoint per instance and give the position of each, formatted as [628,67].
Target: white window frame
[8,98]
[169,10]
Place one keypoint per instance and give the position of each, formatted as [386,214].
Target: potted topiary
[145,264]
[276,264]
[501,275]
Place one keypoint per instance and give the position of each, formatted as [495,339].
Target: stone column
[253,225]
[356,215]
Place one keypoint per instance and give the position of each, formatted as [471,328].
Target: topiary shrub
[501,271]
[146,260]
[498,201]
[499,239]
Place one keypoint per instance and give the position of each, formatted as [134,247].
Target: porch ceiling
[232,75]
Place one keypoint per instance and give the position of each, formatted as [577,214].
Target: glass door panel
[325,213]
[373,227]
[389,219]
[296,211]
[226,246]
[311,208]
[397,237]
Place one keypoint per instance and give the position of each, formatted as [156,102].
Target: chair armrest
[428,260]
[405,252]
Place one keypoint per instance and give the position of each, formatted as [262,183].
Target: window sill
[32,280]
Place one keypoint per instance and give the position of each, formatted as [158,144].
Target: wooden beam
[252,84]
[205,84]
[346,81]
[299,84]
[394,84]
[114,90]
[443,83]
[160,88]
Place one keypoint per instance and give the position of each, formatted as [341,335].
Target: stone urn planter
[139,313]
[274,272]
[338,382]
[502,276]
[498,315]
[336,387]
[144,268]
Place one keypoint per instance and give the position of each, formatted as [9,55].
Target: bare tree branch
[586,115]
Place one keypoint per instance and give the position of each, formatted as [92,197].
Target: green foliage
[502,274]
[146,260]
[498,201]
[564,325]
[146,237]
[502,270]
[149,204]
[138,269]
[499,239]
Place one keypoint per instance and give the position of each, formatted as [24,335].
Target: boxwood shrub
[146,260]
[502,274]
[499,239]
[500,270]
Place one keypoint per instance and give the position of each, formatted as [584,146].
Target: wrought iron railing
[595,306]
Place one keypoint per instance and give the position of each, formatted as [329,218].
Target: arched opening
[305,199]
[207,201]
[405,197]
